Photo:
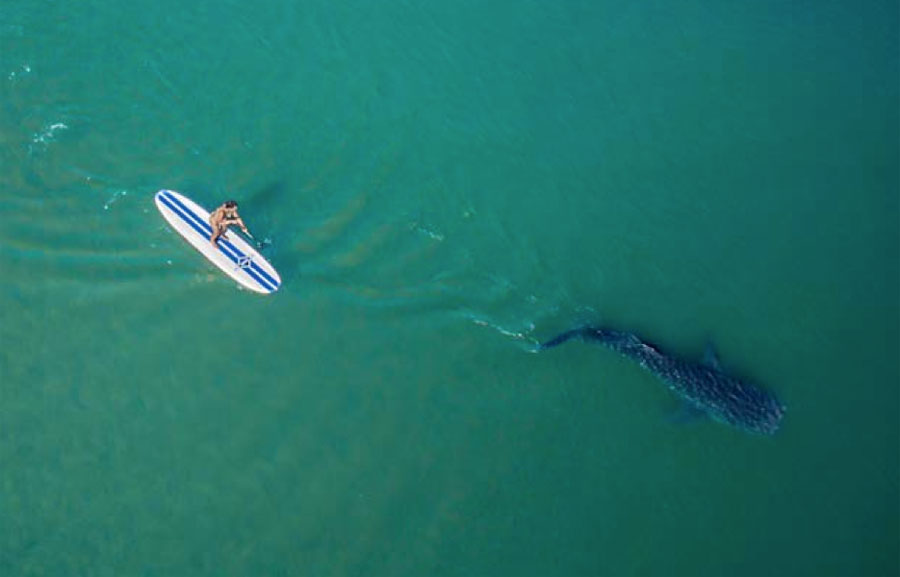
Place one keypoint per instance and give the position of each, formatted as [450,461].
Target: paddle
[259,245]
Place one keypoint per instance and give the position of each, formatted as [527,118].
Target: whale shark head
[765,418]
[772,418]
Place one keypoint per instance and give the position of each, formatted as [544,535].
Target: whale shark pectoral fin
[687,413]
[711,357]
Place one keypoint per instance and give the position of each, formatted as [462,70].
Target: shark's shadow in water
[703,386]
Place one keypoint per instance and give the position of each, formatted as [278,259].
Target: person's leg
[216,234]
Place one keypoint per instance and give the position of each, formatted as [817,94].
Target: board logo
[245,262]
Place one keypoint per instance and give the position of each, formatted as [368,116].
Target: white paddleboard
[232,253]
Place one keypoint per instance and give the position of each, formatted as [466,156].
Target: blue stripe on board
[165,200]
[226,242]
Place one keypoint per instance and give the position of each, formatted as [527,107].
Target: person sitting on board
[222,218]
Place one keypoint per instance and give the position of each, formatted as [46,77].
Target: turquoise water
[445,184]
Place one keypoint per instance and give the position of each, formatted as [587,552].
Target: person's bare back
[223,217]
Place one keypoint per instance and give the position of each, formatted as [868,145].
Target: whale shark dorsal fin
[711,357]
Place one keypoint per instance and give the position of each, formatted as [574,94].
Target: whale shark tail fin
[616,340]
[579,333]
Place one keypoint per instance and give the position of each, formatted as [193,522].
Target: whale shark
[705,387]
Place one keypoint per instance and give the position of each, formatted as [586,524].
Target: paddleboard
[232,254]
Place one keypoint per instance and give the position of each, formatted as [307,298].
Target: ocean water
[445,184]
